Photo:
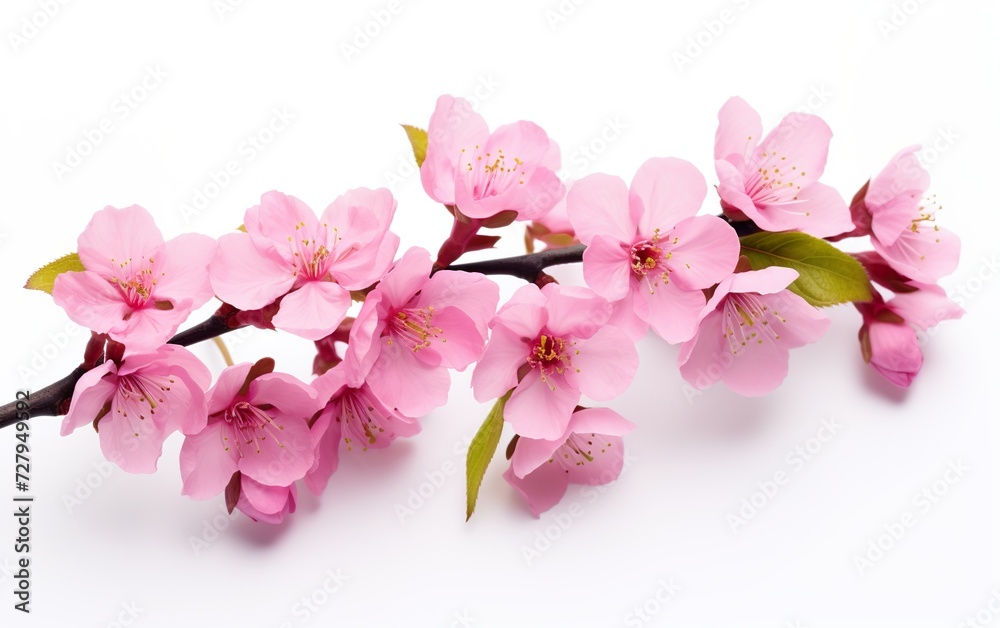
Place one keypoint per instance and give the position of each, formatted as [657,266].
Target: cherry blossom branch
[527,267]
[54,399]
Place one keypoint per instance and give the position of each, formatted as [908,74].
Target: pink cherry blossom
[774,181]
[590,451]
[258,425]
[902,222]
[746,331]
[888,332]
[482,173]
[551,346]
[647,252]
[137,404]
[892,349]
[136,288]
[355,415]
[312,264]
[413,327]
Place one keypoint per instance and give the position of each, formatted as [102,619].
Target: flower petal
[150,327]
[267,500]
[757,370]
[472,293]
[541,409]
[706,251]
[278,219]
[181,265]
[704,358]
[525,313]
[246,277]
[541,489]
[133,443]
[575,311]
[231,379]
[925,255]
[403,382]
[314,310]
[326,432]
[669,190]
[598,204]
[672,311]
[764,281]
[795,150]
[363,345]
[895,351]
[608,460]
[496,371]
[739,130]
[362,269]
[894,194]
[290,396]
[605,364]
[733,193]
[925,307]
[531,453]
[818,210]
[406,278]
[115,235]
[90,301]
[539,195]
[459,344]
[606,268]
[206,466]
[453,126]
[600,420]
[380,202]
[280,453]
[803,324]
[90,394]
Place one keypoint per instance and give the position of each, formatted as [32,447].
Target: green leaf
[827,275]
[481,451]
[418,140]
[45,277]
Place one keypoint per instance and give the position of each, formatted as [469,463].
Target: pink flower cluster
[651,260]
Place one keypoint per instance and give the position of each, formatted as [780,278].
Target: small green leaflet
[45,277]
[418,140]
[481,451]
[827,275]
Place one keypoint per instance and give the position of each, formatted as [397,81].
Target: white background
[581,72]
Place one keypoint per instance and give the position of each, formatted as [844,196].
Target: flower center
[580,449]
[139,396]
[649,260]
[645,257]
[776,180]
[136,282]
[749,322]
[414,328]
[313,256]
[551,354]
[251,426]
[363,424]
[490,174]
[926,215]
